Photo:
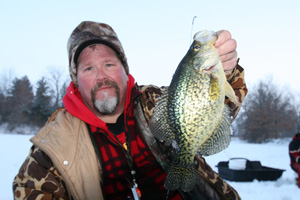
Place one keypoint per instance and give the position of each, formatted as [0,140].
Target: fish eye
[196,48]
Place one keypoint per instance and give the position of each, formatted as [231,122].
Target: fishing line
[192,30]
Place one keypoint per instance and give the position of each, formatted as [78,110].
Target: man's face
[102,80]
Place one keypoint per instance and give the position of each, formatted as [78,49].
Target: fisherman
[294,152]
[100,146]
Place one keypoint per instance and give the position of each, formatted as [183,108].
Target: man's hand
[226,48]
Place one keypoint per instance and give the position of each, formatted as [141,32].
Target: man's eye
[109,65]
[88,69]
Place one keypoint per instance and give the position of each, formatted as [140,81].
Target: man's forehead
[96,47]
[107,53]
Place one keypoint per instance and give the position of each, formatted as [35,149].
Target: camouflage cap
[88,33]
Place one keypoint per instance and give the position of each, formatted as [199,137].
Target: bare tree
[267,113]
[57,80]
[6,80]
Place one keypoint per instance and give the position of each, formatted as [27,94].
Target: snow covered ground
[273,154]
[14,149]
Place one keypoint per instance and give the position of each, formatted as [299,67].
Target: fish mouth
[209,68]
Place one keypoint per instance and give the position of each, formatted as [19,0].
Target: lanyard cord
[129,158]
[127,150]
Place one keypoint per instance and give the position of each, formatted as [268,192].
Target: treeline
[23,104]
[268,113]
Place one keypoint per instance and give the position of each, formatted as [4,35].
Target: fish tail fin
[183,177]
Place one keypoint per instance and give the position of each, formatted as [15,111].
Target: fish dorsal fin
[229,92]
[159,123]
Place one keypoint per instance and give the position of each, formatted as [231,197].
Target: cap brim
[85,44]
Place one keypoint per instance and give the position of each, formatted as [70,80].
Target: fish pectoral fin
[214,88]
[229,92]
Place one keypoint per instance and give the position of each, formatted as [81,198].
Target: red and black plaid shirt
[117,178]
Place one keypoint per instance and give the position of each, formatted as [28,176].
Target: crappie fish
[191,114]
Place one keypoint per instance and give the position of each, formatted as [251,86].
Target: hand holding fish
[226,48]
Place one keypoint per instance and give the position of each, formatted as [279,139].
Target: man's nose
[101,74]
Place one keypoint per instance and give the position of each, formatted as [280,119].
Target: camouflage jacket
[62,163]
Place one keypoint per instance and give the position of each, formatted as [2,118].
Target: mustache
[106,82]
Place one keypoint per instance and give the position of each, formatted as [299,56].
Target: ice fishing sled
[244,170]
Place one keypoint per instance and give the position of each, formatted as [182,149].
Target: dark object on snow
[253,170]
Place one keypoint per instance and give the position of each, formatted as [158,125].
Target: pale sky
[155,34]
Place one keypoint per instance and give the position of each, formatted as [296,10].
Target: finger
[229,56]
[223,36]
[227,47]
[229,65]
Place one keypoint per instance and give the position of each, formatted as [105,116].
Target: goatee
[108,104]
